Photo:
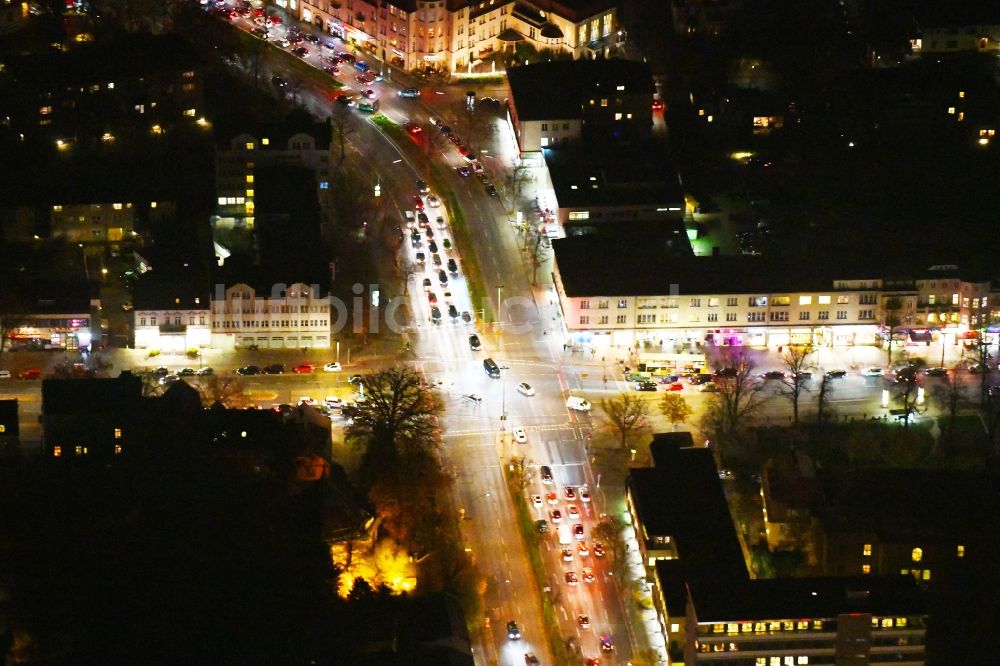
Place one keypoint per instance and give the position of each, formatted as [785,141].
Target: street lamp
[503,380]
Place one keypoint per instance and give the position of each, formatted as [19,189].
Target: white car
[333,402]
[332,367]
[584,494]
[519,435]
[873,372]
[573,512]
[577,404]
[4,374]
[536,500]
[525,389]
[433,201]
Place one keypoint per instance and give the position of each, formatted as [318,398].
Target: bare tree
[522,473]
[675,408]
[797,360]
[407,270]
[518,177]
[343,123]
[609,532]
[950,394]
[738,397]
[906,395]
[399,413]
[890,322]
[823,409]
[537,246]
[228,390]
[627,413]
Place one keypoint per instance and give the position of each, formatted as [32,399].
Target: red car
[304,368]
[275,19]
[676,386]
[31,373]
[413,129]
[657,105]
[418,203]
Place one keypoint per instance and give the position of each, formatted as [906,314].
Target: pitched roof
[556,89]
[91,395]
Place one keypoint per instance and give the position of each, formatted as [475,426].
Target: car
[418,203]
[573,512]
[300,51]
[546,473]
[578,533]
[803,374]
[569,492]
[525,389]
[427,284]
[441,224]
[415,238]
[567,554]
[364,67]
[592,661]
[435,314]
[709,388]
[368,93]
[536,500]
[304,368]
[552,498]
[159,372]
[279,82]
[598,549]
[542,526]
[530,659]
[491,189]
[332,367]
[355,380]
[588,575]
[413,129]
[186,372]
[422,187]
[344,98]
[433,201]
[607,645]
[873,372]
[314,38]
[584,494]
[726,475]
[332,70]
[676,386]
[346,57]
[30,373]
[364,78]
[420,258]
[281,42]
[906,373]
[464,171]
[307,400]
[205,372]
[936,372]
[572,578]
[333,402]
[657,105]
[773,374]
[274,18]
[555,515]
[168,379]
[424,221]
[582,549]
[248,370]
[436,259]
[645,386]
[409,93]
[433,248]
[442,277]
[477,167]
[432,298]
[513,632]
[577,404]
[452,311]
[836,374]
[583,621]
[727,373]
[274,369]
[474,343]
[259,32]
[699,379]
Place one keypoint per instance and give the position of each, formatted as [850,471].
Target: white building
[458,34]
[171,312]
[295,316]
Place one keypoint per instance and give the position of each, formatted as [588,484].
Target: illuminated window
[45,110]
[628,116]
[189,113]
[960,551]
[80,450]
[900,621]
[265,141]
[249,145]
[802,625]
[674,628]
[951,110]
[961,94]
[917,554]
[604,101]
[118,449]
[866,568]
[954,299]
[805,300]
[732,628]
[111,86]
[818,625]
[118,433]
[802,659]
[717,628]
[56,451]
[249,178]
[867,550]
[823,300]
[903,572]
[249,193]
[927,574]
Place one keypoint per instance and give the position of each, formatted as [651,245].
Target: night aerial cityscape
[500,332]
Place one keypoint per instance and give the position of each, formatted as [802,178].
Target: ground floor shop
[272,340]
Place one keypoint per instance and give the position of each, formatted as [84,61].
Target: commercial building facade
[456,35]
[296,316]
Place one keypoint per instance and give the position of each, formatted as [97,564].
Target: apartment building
[603,100]
[711,612]
[241,153]
[950,27]
[456,35]
[92,92]
[278,316]
[171,311]
[643,296]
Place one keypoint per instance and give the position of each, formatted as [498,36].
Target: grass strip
[529,534]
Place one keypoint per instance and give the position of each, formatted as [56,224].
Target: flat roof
[558,88]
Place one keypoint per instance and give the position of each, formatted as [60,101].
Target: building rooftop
[278,134]
[91,395]
[599,175]
[171,288]
[556,90]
